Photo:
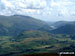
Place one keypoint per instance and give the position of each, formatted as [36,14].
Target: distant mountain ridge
[13,25]
[60,23]
[65,29]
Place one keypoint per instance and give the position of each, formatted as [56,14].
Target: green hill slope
[13,25]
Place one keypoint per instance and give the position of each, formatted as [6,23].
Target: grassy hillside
[13,25]
[30,42]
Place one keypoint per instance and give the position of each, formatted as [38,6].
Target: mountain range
[13,25]
[63,27]
[66,29]
[27,35]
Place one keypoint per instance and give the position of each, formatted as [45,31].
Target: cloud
[38,7]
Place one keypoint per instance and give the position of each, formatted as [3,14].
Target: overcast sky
[49,10]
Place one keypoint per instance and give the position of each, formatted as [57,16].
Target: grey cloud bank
[52,10]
